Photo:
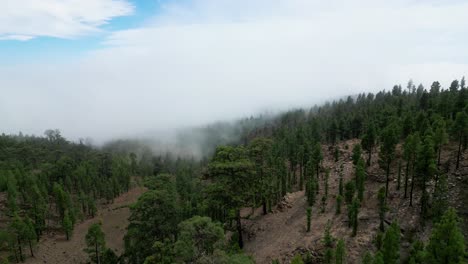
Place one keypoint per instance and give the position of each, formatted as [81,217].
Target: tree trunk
[30,248]
[264,205]
[16,255]
[406,179]
[387,179]
[370,157]
[412,186]
[438,155]
[459,152]
[239,229]
[399,175]
[318,166]
[20,250]
[97,252]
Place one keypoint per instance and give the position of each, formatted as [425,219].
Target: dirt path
[54,248]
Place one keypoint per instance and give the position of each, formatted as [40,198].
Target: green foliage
[309,216]
[353,211]
[382,202]
[327,237]
[198,236]
[357,151]
[231,169]
[379,259]
[340,252]
[417,254]
[440,202]
[446,244]
[360,179]
[339,202]
[350,189]
[67,225]
[297,260]
[163,253]
[95,243]
[153,218]
[425,168]
[389,140]
[109,257]
[367,258]
[391,244]
[311,191]
[368,140]
[460,130]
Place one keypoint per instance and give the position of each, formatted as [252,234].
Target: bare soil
[54,248]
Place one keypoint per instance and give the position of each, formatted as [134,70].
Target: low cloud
[202,61]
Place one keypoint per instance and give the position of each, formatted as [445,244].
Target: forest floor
[54,248]
[282,234]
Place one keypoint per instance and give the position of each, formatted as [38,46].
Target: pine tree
[399,175]
[328,241]
[340,184]
[311,191]
[19,230]
[368,140]
[339,201]
[30,234]
[234,171]
[353,212]
[382,207]
[12,194]
[297,260]
[360,179]
[309,216]
[67,225]
[440,201]
[357,151]
[426,168]
[95,243]
[387,151]
[324,203]
[446,245]
[460,129]
[391,244]
[367,258]
[378,259]
[317,157]
[350,189]
[336,154]
[340,253]
[440,137]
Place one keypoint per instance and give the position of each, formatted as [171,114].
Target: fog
[197,62]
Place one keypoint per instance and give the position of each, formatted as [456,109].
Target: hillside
[282,234]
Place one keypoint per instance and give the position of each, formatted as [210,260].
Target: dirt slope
[282,234]
[54,248]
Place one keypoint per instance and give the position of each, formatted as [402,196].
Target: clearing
[54,248]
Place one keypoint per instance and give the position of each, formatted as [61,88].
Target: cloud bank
[205,60]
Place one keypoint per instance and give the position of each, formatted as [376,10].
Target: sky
[115,68]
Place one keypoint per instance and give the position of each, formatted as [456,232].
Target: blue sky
[113,68]
[59,49]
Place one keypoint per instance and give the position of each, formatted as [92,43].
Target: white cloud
[27,19]
[208,60]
